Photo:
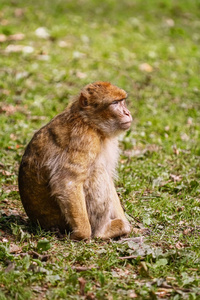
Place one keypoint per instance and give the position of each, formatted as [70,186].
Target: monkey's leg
[73,206]
[117,223]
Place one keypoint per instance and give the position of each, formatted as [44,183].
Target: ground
[48,51]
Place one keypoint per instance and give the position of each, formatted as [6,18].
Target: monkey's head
[103,106]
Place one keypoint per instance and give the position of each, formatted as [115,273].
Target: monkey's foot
[115,228]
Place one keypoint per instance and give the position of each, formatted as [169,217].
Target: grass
[151,50]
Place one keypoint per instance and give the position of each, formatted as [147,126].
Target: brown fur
[66,173]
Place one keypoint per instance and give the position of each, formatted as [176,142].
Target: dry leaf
[28,49]
[4,22]
[8,109]
[81,75]
[42,33]
[83,268]
[146,67]
[16,37]
[3,38]
[163,292]
[6,173]
[5,92]
[63,44]
[117,272]
[167,128]
[175,150]
[13,137]
[19,12]
[82,283]
[19,48]
[185,137]
[175,177]
[90,296]
[180,208]
[132,294]
[179,245]
[15,249]
[170,22]
[186,231]
[5,240]
[13,48]
[189,121]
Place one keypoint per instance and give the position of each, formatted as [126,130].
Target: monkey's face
[120,114]
[104,105]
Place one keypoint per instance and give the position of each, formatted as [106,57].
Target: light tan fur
[67,171]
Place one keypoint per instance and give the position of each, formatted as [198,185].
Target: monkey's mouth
[126,125]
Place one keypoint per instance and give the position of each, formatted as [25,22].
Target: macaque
[67,171]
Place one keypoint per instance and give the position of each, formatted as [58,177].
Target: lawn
[48,51]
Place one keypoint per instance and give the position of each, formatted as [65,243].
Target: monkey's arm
[68,192]
[75,211]
[67,181]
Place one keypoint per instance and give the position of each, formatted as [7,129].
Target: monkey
[67,172]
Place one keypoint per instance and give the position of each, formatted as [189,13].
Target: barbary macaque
[67,171]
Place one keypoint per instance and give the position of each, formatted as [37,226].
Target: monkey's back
[33,180]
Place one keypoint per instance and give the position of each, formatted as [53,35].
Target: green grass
[159,174]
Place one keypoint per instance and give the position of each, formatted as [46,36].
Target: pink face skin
[121,111]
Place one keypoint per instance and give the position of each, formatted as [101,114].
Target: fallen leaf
[181,223]
[146,67]
[167,128]
[175,150]
[169,278]
[5,92]
[19,12]
[161,292]
[13,48]
[63,44]
[90,296]
[186,231]
[16,37]
[185,137]
[179,245]
[180,208]
[132,294]
[2,38]
[15,248]
[41,257]
[82,283]
[175,177]
[143,269]
[28,49]
[189,121]
[19,48]
[9,109]
[42,33]
[6,173]
[77,54]
[83,268]
[81,75]
[43,57]
[4,22]
[117,272]
[13,137]
[170,22]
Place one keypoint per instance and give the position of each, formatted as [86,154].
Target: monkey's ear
[83,101]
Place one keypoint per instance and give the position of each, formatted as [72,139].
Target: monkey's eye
[115,102]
